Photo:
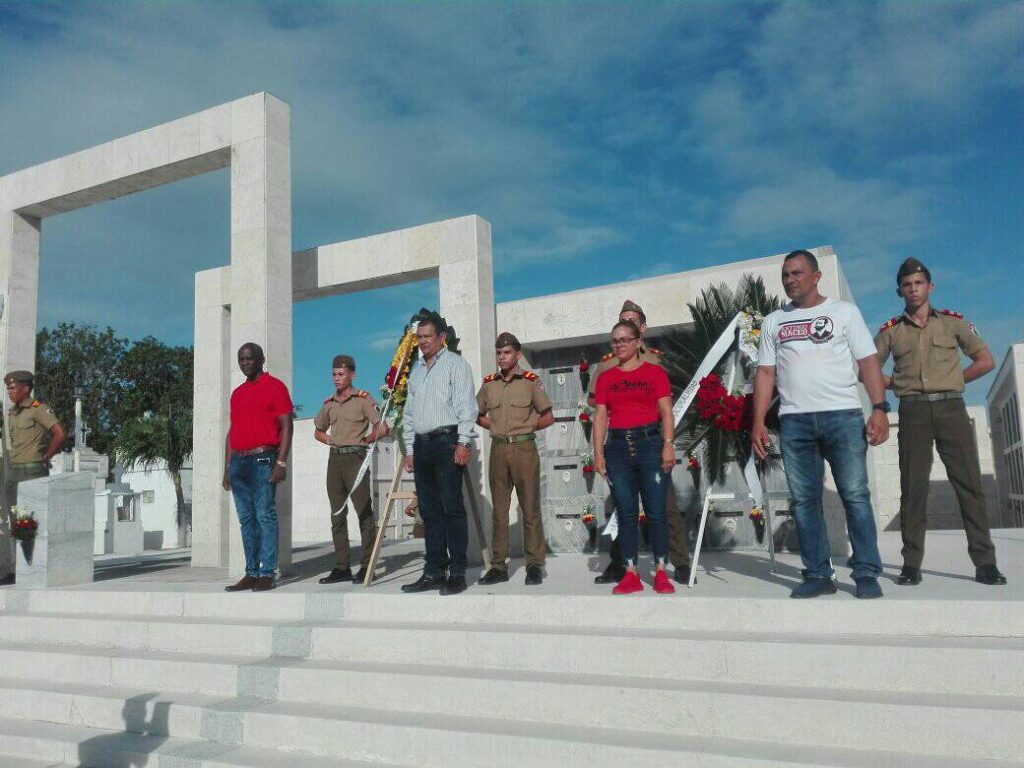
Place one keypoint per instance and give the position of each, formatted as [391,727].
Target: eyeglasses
[622,341]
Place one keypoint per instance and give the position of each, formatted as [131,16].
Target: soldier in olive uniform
[513,406]
[352,418]
[36,434]
[679,553]
[928,379]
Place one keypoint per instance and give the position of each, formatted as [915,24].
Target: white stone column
[466,278]
[212,516]
[261,251]
[19,286]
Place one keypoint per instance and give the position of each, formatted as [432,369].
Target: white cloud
[679,131]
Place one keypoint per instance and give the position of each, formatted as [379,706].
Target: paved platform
[154,664]
[948,572]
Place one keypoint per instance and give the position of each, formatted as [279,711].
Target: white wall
[159,517]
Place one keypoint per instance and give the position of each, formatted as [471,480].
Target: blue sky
[603,141]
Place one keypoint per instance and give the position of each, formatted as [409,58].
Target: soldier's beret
[506,339]
[22,377]
[631,306]
[344,361]
[911,267]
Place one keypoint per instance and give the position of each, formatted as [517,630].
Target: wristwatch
[883,406]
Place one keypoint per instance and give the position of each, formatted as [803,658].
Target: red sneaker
[662,585]
[630,583]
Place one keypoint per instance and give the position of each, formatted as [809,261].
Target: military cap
[344,361]
[631,306]
[22,377]
[506,339]
[911,267]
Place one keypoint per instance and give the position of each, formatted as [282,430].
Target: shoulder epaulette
[490,377]
[328,399]
[654,351]
[890,322]
[35,404]
[607,357]
[951,313]
[362,393]
[530,376]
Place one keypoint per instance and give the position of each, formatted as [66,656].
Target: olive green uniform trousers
[342,469]
[946,424]
[516,465]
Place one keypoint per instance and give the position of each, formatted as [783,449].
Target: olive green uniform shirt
[927,360]
[30,422]
[609,361]
[347,418]
[513,405]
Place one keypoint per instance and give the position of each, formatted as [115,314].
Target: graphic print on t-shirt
[631,385]
[817,331]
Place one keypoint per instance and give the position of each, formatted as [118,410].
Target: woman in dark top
[634,413]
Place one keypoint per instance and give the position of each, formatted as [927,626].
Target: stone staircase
[349,678]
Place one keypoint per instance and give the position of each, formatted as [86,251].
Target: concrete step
[840,614]
[985,666]
[987,727]
[988,666]
[25,744]
[376,738]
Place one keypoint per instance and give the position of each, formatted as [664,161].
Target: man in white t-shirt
[813,350]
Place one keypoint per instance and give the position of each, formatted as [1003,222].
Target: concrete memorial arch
[250,300]
[456,251]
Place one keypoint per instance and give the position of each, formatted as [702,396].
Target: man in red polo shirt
[255,451]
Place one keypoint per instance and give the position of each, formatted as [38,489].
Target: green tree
[161,438]
[71,357]
[154,377]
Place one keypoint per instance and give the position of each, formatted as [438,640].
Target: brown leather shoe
[246,582]
[263,584]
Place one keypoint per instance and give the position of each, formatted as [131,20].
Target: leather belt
[348,449]
[932,397]
[254,451]
[439,432]
[514,438]
[647,430]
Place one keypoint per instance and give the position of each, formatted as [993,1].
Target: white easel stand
[709,497]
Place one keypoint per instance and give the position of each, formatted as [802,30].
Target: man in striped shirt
[439,426]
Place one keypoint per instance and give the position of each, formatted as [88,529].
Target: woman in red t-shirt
[634,412]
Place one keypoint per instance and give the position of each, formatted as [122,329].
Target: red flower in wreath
[584,417]
[692,463]
[389,380]
[588,469]
[584,366]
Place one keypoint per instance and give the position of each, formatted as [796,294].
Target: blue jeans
[254,502]
[439,492]
[808,439]
[633,459]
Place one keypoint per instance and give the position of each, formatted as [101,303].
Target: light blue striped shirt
[442,395]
